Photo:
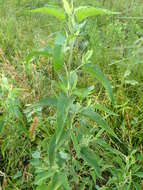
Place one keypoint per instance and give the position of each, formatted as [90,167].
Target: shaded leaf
[88,112]
[47,51]
[139,174]
[89,156]
[52,150]
[42,187]
[63,106]
[49,101]
[75,143]
[42,176]
[96,72]
[83,92]
[73,78]
[58,180]
[58,52]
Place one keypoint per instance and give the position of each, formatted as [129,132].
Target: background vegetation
[25,133]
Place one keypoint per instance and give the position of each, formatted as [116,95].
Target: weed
[73,137]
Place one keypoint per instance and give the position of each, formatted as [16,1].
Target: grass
[117,46]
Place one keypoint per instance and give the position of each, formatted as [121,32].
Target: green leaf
[75,143]
[88,112]
[48,101]
[83,12]
[64,181]
[42,187]
[46,52]
[89,156]
[73,78]
[63,106]
[83,92]
[58,52]
[58,180]
[43,176]
[51,10]
[64,136]
[52,150]
[96,72]
[139,174]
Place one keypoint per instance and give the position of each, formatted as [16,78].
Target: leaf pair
[80,13]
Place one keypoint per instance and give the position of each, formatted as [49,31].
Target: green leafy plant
[86,154]
[75,156]
[76,119]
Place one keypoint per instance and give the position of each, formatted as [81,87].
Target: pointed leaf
[42,187]
[58,52]
[89,156]
[83,92]
[51,10]
[139,174]
[75,143]
[88,112]
[57,181]
[73,78]
[63,105]
[43,176]
[83,12]
[52,150]
[49,101]
[46,52]
[96,72]
[46,102]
